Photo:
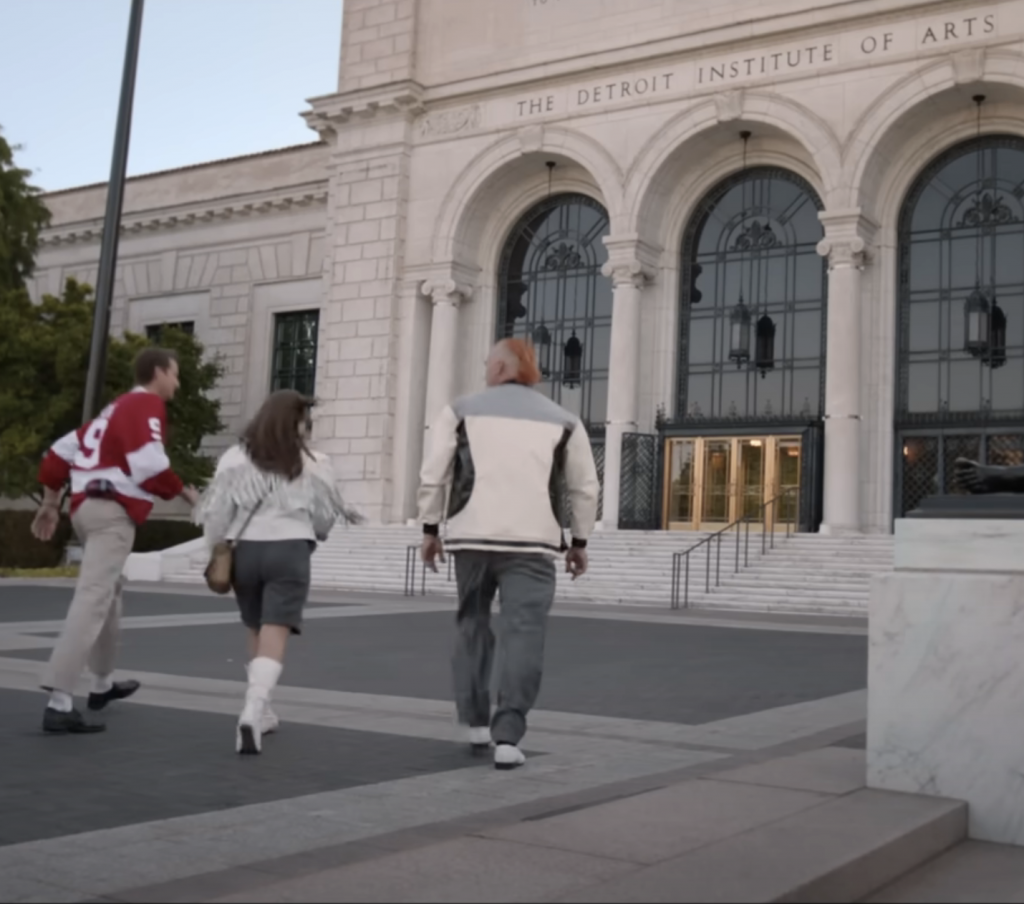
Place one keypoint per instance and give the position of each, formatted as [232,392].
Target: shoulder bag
[220,572]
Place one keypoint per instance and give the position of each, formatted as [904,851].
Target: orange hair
[529,372]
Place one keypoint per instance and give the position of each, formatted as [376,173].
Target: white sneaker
[248,736]
[480,738]
[268,721]
[508,756]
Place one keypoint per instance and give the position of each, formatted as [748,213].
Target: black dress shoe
[119,691]
[71,722]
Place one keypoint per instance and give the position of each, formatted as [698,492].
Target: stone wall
[377,43]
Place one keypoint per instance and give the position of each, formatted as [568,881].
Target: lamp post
[112,221]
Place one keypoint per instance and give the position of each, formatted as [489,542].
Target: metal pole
[112,221]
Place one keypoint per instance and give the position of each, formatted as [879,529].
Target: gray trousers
[527,587]
[93,621]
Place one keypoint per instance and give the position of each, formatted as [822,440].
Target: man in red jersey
[116,464]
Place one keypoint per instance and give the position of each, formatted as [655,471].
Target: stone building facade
[772,252]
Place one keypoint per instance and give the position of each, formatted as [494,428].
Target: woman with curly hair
[276,499]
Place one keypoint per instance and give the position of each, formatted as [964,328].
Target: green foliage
[192,415]
[44,352]
[20,550]
[156,535]
[22,215]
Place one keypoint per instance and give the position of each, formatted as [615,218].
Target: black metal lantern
[542,343]
[739,334]
[977,313]
[573,366]
[764,345]
[997,336]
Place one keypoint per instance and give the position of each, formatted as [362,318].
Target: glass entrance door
[711,482]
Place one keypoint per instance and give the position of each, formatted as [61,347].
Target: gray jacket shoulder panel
[515,402]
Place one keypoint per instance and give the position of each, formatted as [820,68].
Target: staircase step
[804,573]
[842,850]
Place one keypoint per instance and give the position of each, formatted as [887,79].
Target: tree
[22,216]
[44,352]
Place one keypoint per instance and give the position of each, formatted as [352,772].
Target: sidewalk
[796,828]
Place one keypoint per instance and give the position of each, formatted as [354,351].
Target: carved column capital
[630,272]
[446,291]
[845,252]
[847,242]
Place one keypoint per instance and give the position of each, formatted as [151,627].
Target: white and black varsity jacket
[494,470]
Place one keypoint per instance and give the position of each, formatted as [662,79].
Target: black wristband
[579,544]
[431,530]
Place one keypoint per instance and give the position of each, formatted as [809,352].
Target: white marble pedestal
[946,670]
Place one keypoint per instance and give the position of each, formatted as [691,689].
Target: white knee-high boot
[269,723]
[263,677]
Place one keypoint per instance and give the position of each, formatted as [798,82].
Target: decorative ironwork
[754,235]
[295,345]
[551,290]
[988,210]
[960,352]
[920,471]
[564,257]
[640,482]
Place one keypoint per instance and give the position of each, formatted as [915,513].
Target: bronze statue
[977,478]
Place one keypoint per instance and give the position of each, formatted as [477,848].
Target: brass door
[711,482]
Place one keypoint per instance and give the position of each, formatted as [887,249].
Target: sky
[216,78]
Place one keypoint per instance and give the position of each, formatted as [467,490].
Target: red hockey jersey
[123,446]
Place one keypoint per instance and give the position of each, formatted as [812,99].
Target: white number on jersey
[156,430]
[89,455]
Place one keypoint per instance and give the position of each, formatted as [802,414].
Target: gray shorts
[272,582]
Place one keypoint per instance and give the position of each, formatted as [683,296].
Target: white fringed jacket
[302,509]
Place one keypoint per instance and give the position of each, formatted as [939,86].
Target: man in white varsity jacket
[494,470]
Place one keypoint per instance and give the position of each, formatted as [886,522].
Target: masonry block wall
[377,43]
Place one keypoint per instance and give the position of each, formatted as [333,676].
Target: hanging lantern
[739,334]
[977,314]
[764,346]
[542,343]
[997,333]
[573,367]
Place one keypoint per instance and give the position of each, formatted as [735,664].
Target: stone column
[446,296]
[847,255]
[628,279]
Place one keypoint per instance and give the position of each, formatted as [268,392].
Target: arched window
[551,291]
[752,324]
[960,347]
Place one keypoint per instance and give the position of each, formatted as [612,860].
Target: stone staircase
[805,573]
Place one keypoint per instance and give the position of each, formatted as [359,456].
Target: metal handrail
[681,560]
[411,557]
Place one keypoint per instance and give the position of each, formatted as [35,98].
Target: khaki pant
[93,622]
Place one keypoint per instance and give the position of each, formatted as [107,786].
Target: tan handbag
[220,572]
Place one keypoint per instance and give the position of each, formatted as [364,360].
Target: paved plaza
[369,763]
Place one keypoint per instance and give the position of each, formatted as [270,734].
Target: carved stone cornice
[446,291]
[187,216]
[333,111]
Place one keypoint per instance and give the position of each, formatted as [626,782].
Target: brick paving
[368,751]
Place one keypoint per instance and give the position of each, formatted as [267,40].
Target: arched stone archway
[925,114]
[662,185]
[489,194]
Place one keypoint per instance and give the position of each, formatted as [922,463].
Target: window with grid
[155,330]
[295,341]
